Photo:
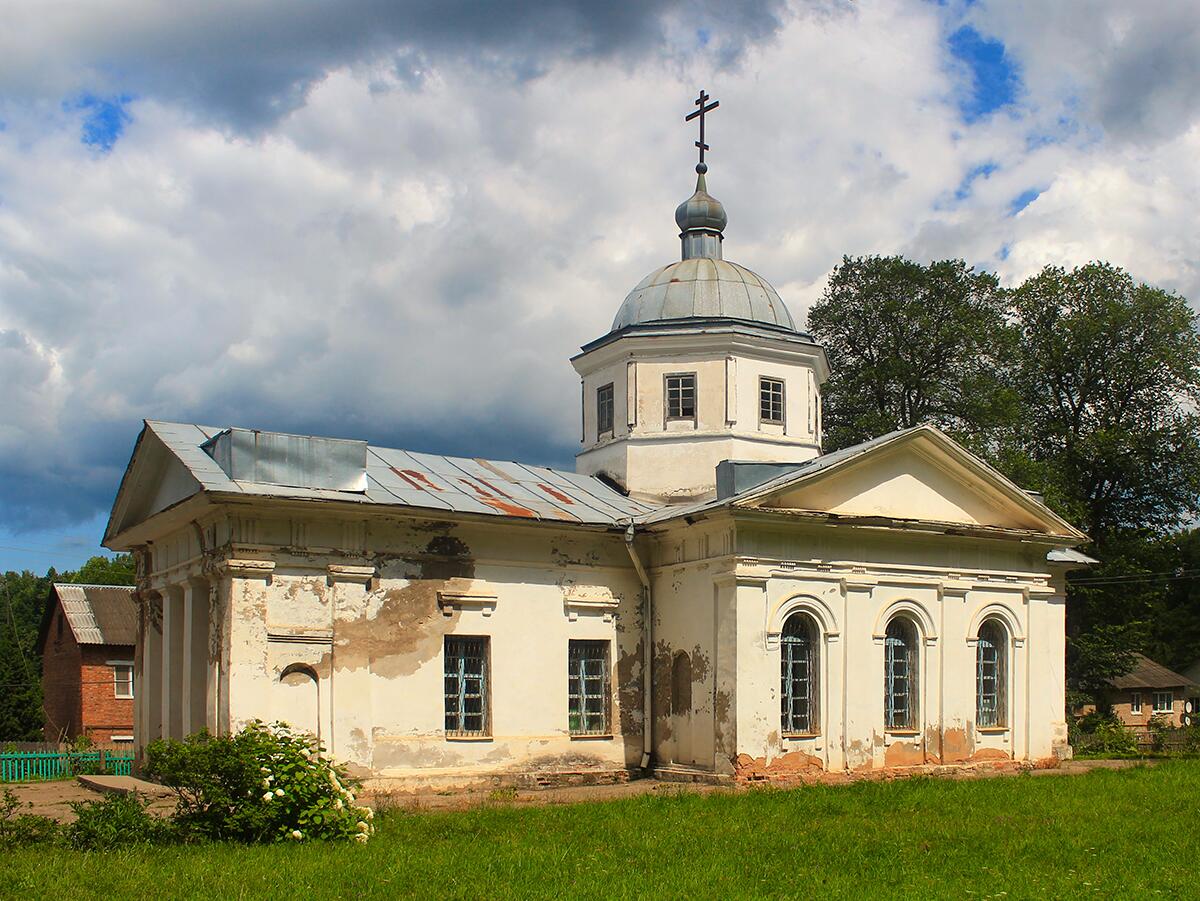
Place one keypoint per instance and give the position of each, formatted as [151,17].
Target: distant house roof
[1148,674]
[97,614]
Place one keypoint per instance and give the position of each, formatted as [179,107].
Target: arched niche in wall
[297,699]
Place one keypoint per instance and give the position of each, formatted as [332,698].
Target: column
[194,693]
[149,688]
[172,662]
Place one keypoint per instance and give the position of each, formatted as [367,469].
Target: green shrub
[1108,738]
[116,821]
[20,829]
[264,784]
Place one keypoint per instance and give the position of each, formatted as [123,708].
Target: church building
[708,596]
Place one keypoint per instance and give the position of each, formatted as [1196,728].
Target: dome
[701,211]
[706,288]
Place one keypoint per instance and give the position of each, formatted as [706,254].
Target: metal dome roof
[703,287]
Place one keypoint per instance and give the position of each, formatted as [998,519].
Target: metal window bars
[900,675]
[588,688]
[466,686]
[991,707]
[798,677]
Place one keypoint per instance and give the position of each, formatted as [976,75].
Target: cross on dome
[705,107]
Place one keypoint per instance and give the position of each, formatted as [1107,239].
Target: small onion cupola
[701,220]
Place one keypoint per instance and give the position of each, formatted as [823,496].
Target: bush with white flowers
[264,784]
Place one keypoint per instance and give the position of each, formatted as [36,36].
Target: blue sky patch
[104,119]
[994,78]
[982,171]
[1023,200]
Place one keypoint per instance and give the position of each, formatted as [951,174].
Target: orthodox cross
[705,107]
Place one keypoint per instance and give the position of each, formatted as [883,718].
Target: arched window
[798,676]
[991,675]
[901,679]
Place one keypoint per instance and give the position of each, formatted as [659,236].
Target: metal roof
[99,614]
[1148,674]
[429,481]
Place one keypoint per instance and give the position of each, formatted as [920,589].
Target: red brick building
[86,642]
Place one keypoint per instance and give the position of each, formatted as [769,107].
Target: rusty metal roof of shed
[427,481]
[99,614]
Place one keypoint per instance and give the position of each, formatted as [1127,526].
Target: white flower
[338,805]
[368,813]
[279,792]
[349,796]
[297,834]
[263,769]
[361,838]
[363,827]
[266,783]
[268,796]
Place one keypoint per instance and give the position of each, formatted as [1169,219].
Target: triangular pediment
[155,480]
[920,475]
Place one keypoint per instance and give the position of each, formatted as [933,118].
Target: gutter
[647,643]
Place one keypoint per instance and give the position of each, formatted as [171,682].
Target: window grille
[1135,704]
[466,686]
[770,400]
[588,688]
[1164,701]
[991,665]
[798,676]
[604,409]
[123,680]
[900,675]
[681,396]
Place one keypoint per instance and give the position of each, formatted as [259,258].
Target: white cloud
[413,259]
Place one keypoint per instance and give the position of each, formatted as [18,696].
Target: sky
[398,220]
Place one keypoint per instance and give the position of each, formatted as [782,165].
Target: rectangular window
[770,400]
[1164,701]
[466,686]
[1135,704]
[604,409]
[588,688]
[123,680]
[681,395]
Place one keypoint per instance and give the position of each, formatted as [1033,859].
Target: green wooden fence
[24,766]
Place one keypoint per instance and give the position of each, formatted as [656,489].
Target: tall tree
[910,344]
[1109,376]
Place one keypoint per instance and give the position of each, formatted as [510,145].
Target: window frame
[117,683]
[667,417]
[1135,703]
[586,728]
[460,694]
[789,649]
[998,642]
[601,428]
[912,676]
[1169,709]
[782,420]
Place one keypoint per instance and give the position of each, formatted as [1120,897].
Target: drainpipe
[647,644]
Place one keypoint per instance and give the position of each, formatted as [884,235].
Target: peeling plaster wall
[364,605]
[850,582]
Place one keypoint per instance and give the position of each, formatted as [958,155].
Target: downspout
[647,643]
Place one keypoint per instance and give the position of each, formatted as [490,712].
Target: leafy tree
[116,570]
[1109,376]
[910,344]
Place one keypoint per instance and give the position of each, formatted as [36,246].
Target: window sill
[590,736]
[902,733]
[801,735]
[992,730]
[468,738]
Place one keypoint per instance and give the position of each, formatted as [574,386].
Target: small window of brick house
[123,680]
[1164,701]
[1135,704]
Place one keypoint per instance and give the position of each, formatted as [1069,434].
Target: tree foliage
[911,344]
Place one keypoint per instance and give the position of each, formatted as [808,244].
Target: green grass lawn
[1107,834]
